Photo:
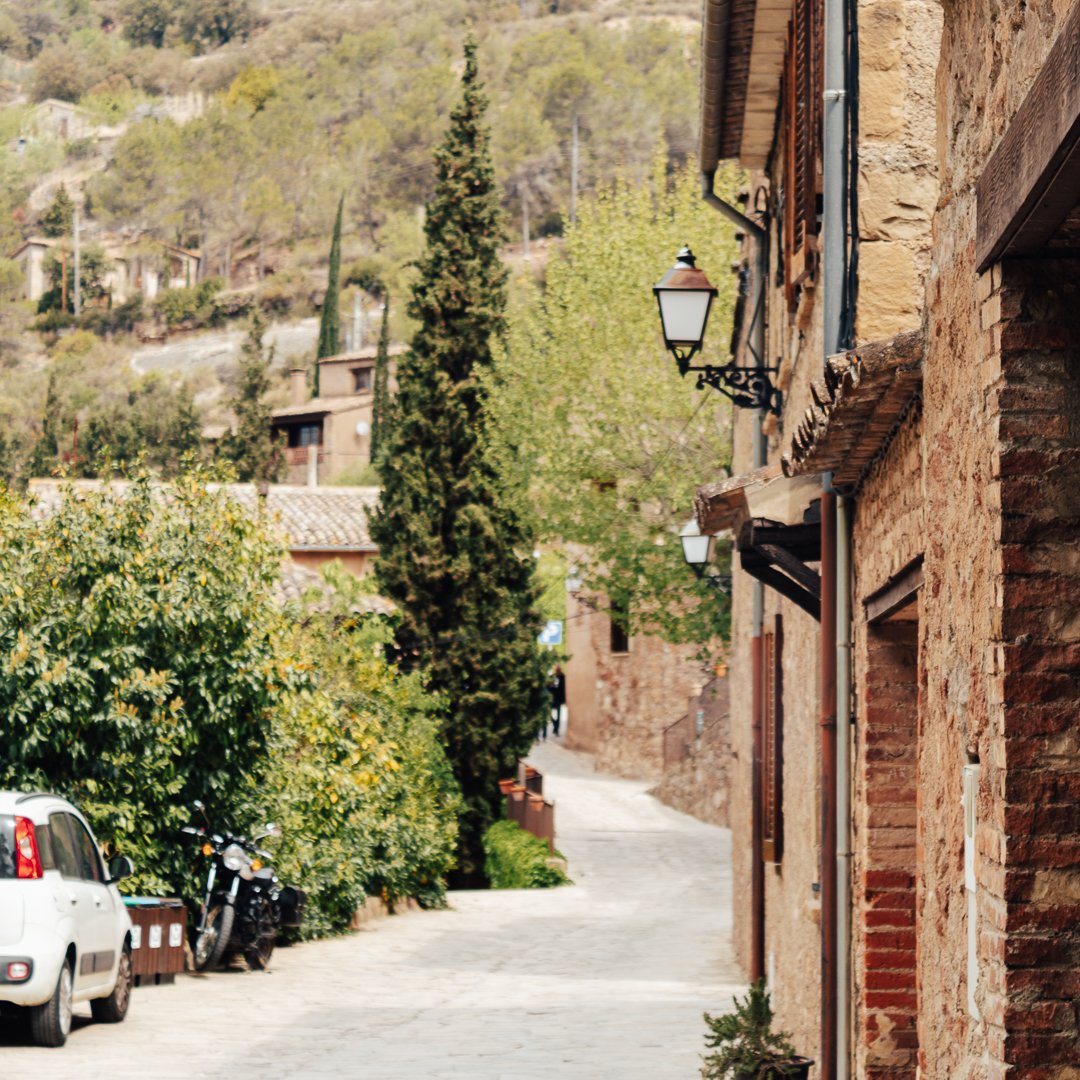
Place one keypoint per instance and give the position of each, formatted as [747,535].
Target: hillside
[230,128]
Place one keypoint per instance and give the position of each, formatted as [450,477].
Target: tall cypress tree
[330,320]
[380,404]
[454,545]
[251,447]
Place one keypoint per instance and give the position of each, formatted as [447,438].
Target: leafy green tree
[592,411]
[155,423]
[251,447]
[146,22]
[59,216]
[210,23]
[381,404]
[144,660]
[454,545]
[93,265]
[330,319]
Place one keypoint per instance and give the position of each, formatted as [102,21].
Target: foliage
[251,447]
[156,424]
[61,71]
[454,546]
[330,319]
[59,216]
[518,860]
[93,266]
[592,412]
[358,779]
[146,22]
[743,1044]
[253,87]
[381,402]
[193,305]
[210,23]
[46,453]
[141,660]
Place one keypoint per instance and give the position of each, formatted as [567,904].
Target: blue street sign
[552,633]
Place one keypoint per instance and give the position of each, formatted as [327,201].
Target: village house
[132,265]
[905,613]
[329,435]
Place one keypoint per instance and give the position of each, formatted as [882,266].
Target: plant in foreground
[744,1046]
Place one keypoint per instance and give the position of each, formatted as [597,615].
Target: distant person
[558,699]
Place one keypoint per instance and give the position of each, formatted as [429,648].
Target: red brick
[897,918]
[889,999]
[888,879]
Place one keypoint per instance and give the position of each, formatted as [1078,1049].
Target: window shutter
[803,109]
[772,755]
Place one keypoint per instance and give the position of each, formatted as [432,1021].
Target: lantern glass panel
[697,549]
[684,312]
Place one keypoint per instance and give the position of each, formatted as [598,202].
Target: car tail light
[18,971]
[27,859]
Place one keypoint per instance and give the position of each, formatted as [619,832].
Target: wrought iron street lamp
[685,297]
[697,548]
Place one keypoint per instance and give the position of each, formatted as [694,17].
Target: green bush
[193,304]
[515,859]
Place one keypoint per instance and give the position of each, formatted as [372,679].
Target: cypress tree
[380,404]
[251,447]
[454,543]
[330,319]
[46,453]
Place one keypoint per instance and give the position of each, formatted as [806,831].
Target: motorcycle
[245,903]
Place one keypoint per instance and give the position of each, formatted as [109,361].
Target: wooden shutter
[772,751]
[803,110]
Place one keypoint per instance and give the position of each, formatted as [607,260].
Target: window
[620,614]
[305,435]
[361,380]
[803,85]
[64,846]
[89,857]
[772,755]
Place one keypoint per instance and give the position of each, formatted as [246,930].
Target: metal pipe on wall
[843,784]
[827,722]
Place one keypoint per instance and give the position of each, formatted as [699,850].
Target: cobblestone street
[607,978]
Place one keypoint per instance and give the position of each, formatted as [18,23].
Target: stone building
[329,435]
[905,526]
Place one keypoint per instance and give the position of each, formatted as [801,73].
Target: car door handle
[73,898]
[97,902]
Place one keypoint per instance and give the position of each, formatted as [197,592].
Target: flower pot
[796,1068]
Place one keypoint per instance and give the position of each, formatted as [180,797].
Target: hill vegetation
[234,127]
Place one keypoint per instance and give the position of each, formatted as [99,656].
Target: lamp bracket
[746,387]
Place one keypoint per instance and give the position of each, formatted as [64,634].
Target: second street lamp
[685,295]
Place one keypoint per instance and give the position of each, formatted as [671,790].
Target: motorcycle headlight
[235,858]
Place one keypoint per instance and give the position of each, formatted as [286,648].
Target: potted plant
[744,1047]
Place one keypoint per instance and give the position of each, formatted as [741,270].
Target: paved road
[219,350]
[607,978]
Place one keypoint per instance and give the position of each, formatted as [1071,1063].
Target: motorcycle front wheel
[213,940]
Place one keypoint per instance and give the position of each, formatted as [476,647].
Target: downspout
[835,737]
[827,721]
[756,346]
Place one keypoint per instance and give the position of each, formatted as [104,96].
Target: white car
[65,935]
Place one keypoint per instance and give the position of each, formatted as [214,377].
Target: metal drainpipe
[835,992]
[756,342]
[827,735]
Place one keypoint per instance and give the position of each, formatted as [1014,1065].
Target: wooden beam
[895,594]
[782,584]
[1032,180]
[809,579]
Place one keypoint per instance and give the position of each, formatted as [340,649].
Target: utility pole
[63,280]
[573,169]
[525,222]
[77,285]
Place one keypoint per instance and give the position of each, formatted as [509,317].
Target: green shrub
[515,859]
[192,304]
[743,1043]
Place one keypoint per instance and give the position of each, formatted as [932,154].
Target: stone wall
[619,703]
[697,757]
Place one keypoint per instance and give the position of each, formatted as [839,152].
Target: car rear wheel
[50,1023]
[113,1009]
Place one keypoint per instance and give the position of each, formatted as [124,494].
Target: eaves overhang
[743,43]
[859,402]
[765,493]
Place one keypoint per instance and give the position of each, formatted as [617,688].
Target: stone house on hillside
[327,435]
[905,633]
